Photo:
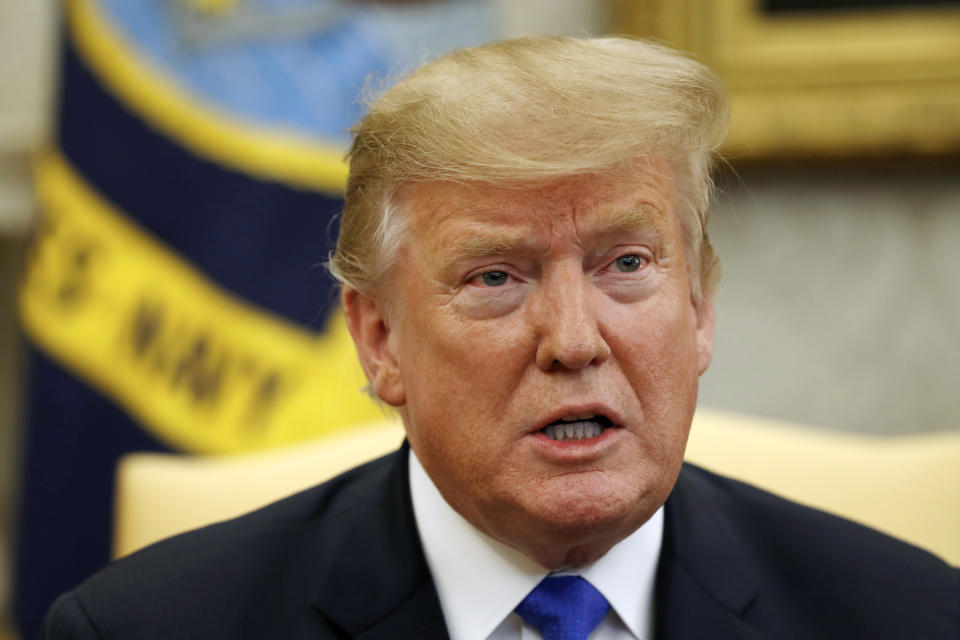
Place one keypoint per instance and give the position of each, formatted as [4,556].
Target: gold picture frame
[837,82]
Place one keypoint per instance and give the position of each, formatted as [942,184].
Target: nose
[568,322]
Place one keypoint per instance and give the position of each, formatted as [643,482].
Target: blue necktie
[564,608]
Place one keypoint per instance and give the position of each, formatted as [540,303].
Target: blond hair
[528,111]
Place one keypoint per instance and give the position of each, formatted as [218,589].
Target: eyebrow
[491,245]
[613,221]
[641,216]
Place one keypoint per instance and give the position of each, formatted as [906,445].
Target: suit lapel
[687,609]
[705,582]
[378,584]
[417,616]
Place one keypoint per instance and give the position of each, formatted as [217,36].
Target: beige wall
[839,303]
[26,58]
[10,361]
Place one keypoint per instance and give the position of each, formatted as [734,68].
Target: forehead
[638,197]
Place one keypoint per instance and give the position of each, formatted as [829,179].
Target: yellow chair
[906,486]
[161,494]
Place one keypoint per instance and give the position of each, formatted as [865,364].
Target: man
[528,280]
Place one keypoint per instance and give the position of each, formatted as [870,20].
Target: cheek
[465,369]
[661,329]
[660,359]
[466,351]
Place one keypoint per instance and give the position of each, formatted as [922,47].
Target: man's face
[517,311]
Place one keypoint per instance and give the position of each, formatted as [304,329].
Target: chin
[577,532]
[591,509]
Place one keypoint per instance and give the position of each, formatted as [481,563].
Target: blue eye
[627,263]
[494,278]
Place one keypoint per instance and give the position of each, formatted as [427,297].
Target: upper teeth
[586,416]
[573,430]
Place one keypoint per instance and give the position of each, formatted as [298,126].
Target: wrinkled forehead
[616,200]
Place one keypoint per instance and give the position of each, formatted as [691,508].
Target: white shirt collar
[480,580]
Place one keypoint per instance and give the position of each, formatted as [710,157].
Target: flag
[174,298]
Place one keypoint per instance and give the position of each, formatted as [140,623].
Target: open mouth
[577,427]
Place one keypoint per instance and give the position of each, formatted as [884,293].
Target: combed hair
[520,113]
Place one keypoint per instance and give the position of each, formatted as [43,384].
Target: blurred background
[169,171]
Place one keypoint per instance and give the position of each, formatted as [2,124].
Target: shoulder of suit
[303,513]
[817,549]
[177,585]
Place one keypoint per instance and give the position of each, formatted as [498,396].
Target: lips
[581,427]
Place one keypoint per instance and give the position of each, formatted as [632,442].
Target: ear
[704,314]
[368,324]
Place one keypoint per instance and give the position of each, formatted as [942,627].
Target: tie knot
[564,608]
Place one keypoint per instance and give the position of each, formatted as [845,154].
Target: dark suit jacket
[343,560]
